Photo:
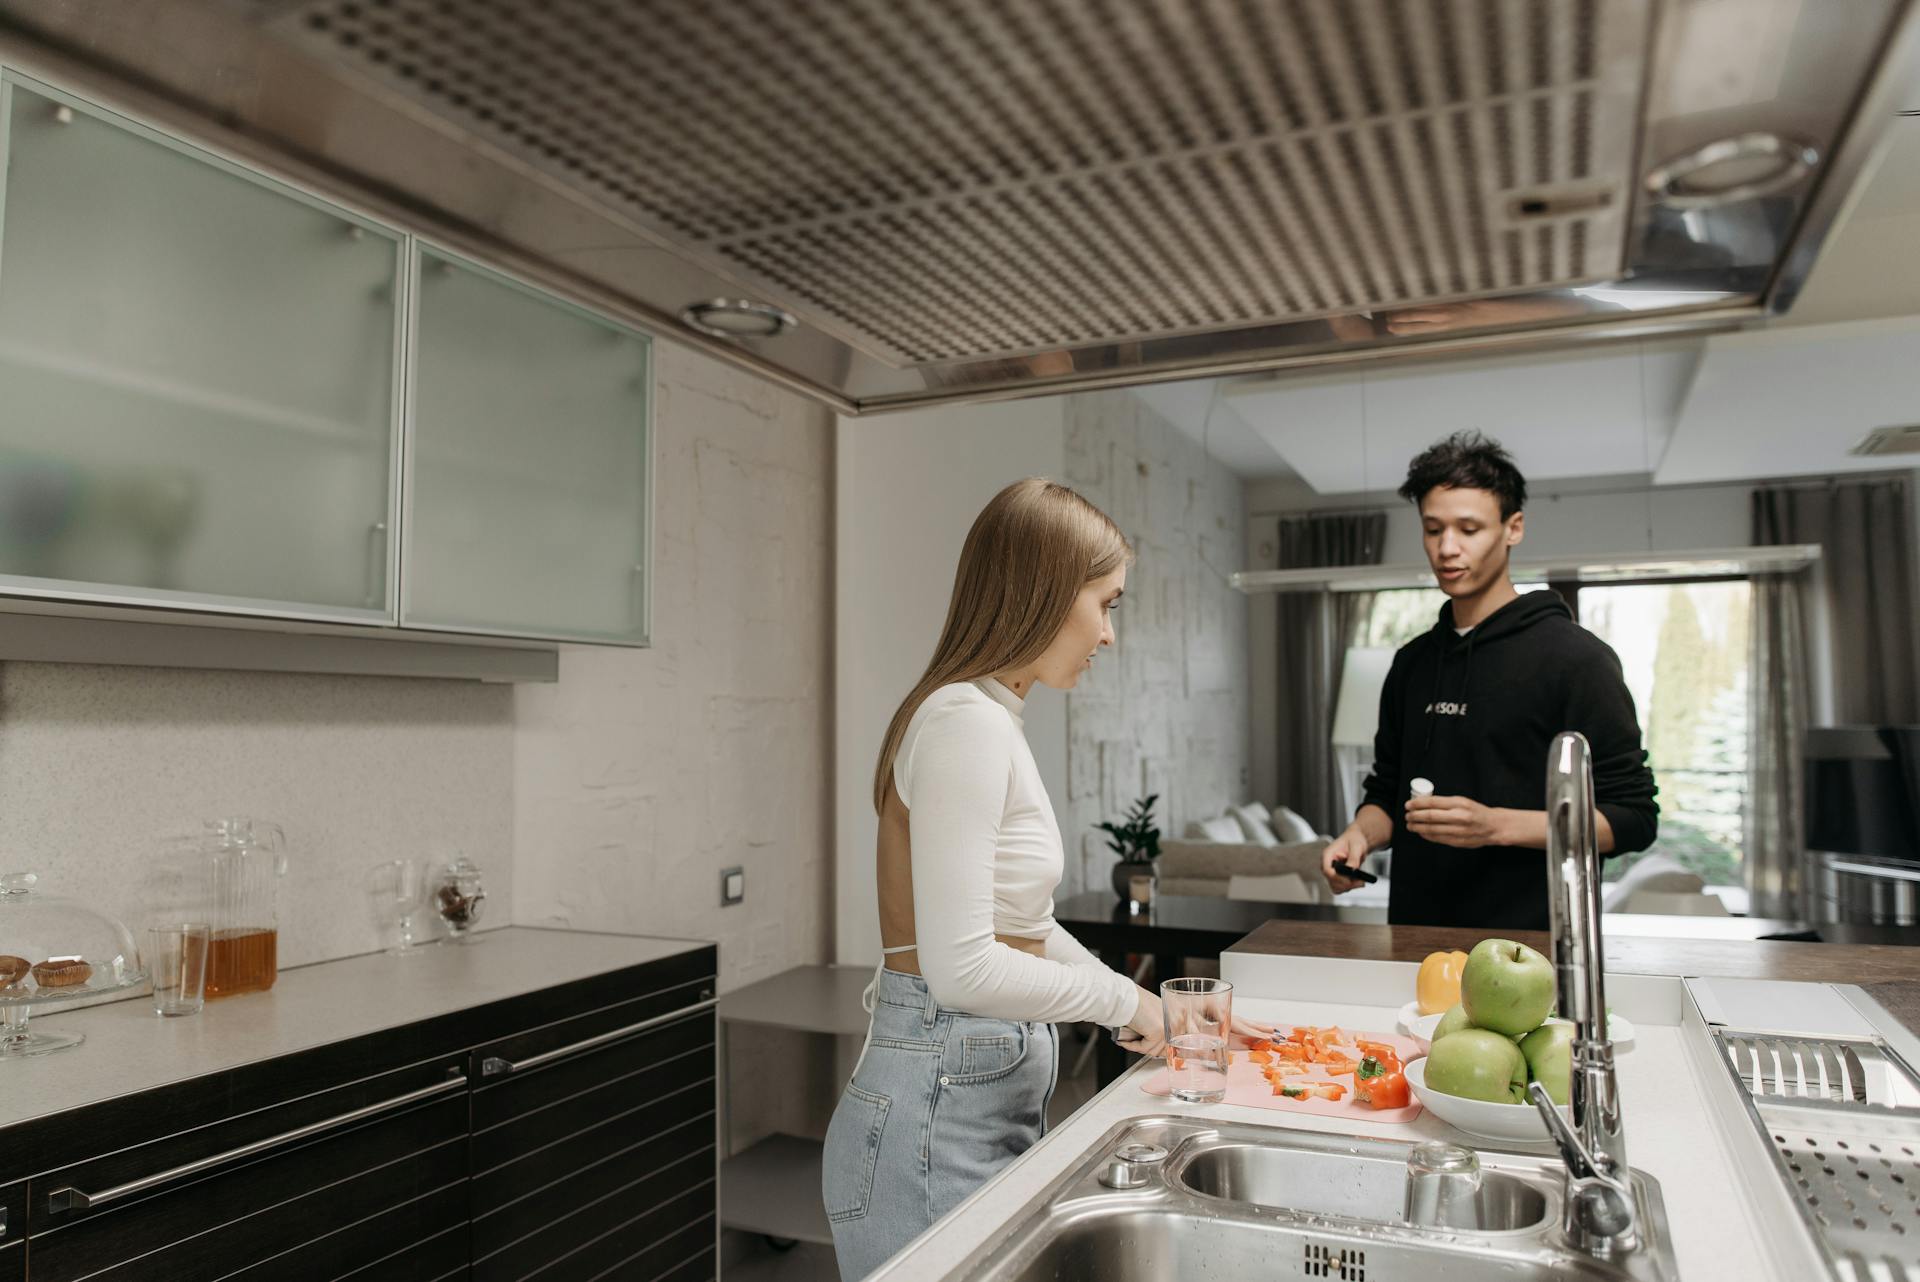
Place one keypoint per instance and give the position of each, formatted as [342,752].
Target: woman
[962,1052]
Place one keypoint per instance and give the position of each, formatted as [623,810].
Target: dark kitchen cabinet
[568,1132]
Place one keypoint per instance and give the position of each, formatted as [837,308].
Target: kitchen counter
[1626,954]
[130,1049]
[1673,1103]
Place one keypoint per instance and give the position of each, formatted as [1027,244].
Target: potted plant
[1136,840]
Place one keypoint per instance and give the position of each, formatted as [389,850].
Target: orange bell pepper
[1380,1085]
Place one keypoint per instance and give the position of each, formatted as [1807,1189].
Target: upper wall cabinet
[527,484]
[199,373]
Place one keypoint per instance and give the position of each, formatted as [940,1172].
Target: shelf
[814,999]
[774,1189]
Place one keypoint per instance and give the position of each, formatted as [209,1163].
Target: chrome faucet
[1598,1214]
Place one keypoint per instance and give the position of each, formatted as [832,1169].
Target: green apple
[1452,1022]
[1477,1064]
[1549,1052]
[1506,987]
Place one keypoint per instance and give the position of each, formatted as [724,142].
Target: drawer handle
[495,1066]
[68,1198]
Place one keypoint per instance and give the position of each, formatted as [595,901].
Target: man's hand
[1455,821]
[1349,848]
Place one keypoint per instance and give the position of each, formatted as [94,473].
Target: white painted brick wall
[1168,713]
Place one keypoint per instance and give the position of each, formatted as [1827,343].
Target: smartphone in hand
[1358,874]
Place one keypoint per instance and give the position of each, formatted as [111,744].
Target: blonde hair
[1029,553]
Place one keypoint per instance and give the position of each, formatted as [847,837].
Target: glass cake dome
[54,950]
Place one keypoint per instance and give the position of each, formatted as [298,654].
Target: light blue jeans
[941,1101]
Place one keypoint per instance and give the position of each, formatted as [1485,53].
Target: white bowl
[1414,1024]
[1513,1122]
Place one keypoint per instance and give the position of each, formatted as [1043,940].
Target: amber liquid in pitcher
[242,960]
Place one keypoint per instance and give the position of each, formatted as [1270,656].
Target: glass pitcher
[228,875]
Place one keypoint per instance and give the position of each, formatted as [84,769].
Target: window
[1683,649]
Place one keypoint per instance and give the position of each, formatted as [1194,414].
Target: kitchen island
[1727,1213]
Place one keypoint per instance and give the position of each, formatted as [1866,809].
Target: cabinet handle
[495,1066]
[68,1198]
[376,544]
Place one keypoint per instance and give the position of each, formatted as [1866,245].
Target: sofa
[1252,852]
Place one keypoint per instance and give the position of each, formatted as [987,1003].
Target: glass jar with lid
[55,950]
[454,890]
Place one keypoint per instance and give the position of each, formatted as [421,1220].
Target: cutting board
[1247,1086]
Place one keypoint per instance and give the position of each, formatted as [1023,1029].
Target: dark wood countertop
[1627,955]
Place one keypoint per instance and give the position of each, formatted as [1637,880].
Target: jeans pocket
[852,1151]
[987,1056]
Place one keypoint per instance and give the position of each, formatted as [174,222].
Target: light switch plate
[733,886]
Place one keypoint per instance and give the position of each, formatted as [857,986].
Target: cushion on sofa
[1222,828]
[1252,819]
[1291,825]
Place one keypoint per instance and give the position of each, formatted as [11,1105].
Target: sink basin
[1357,1185]
[1234,1200]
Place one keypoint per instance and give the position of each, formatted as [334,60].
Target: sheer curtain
[1315,629]
[1776,723]
[1860,603]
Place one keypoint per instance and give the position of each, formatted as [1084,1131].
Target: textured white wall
[909,488]
[643,773]
[1169,717]
[97,763]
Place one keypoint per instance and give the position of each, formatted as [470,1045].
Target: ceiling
[1789,399]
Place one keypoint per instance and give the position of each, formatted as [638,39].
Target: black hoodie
[1475,714]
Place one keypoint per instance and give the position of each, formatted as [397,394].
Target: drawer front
[345,1200]
[13,1214]
[13,1263]
[127,1173]
[610,1150]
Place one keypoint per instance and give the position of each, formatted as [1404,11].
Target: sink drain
[1343,1262]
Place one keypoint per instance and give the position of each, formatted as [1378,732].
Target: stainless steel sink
[1231,1200]
[1339,1181]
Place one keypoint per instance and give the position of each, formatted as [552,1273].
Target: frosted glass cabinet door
[198,377]
[527,467]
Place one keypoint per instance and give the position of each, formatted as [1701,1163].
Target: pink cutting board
[1246,1085]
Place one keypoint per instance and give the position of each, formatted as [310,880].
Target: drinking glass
[396,888]
[1199,1019]
[1443,1186]
[177,960]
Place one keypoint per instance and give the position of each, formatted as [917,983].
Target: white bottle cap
[1422,787]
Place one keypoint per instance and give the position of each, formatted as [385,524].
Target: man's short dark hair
[1467,461]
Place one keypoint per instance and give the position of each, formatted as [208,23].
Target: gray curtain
[1866,538]
[1315,629]
[1776,719]
[1867,567]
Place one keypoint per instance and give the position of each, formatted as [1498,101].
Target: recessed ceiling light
[737,318]
[1730,169]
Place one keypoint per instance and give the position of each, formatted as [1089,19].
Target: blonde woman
[961,1051]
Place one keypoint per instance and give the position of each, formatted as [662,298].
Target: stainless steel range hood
[968,199]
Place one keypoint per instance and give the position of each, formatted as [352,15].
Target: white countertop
[1716,1230]
[130,1049]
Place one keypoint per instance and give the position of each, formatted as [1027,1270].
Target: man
[1472,706]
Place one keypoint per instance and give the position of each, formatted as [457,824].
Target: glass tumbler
[1443,1186]
[1199,1019]
[177,960]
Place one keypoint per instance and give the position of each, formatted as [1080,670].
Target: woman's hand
[1150,1029]
[1251,1030]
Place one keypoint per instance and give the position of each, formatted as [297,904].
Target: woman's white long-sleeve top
[986,859]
